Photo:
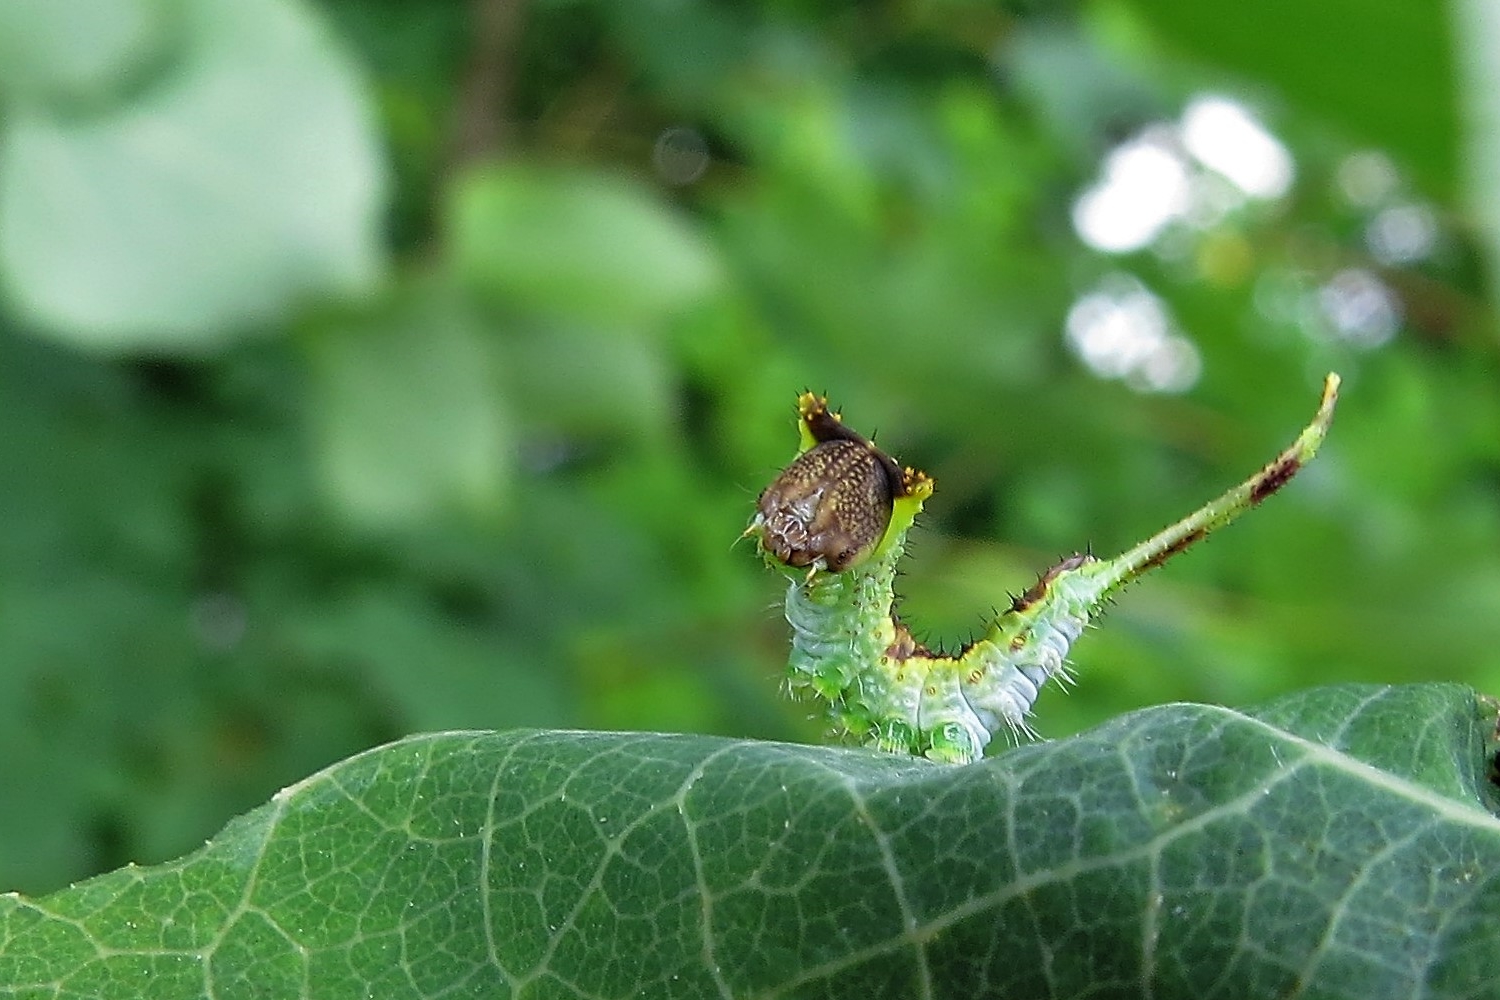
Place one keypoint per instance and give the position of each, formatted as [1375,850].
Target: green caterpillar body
[836,520]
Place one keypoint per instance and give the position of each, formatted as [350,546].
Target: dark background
[373,367]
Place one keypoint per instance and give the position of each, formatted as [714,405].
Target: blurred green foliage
[371,367]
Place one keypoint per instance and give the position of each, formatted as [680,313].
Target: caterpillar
[835,522]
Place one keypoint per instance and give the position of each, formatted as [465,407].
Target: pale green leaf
[246,180]
[406,416]
[576,246]
[60,52]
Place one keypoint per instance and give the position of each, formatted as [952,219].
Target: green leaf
[1383,70]
[245,180]
[45,57]
[1182,851]
[407,417]
[577,246]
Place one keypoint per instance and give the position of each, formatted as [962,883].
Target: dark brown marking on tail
[1184,542]
[1273,477]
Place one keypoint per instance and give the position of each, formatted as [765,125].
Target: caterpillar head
[832,507]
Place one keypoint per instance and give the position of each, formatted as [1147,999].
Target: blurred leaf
[1383,70]
[578,246]
[46,56]
[1182,851]
[406,416]
[588,381]
[443,674]
[246,181]
[1079,91]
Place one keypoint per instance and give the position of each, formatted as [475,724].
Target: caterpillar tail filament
[835,522]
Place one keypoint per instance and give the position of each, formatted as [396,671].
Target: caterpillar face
[829,508]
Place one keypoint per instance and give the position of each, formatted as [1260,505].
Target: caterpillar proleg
[835,522]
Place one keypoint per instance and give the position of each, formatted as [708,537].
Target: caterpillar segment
[835,521]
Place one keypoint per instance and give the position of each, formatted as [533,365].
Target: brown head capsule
[831,506]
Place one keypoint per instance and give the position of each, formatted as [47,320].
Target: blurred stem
[1479,75]
[484,125]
